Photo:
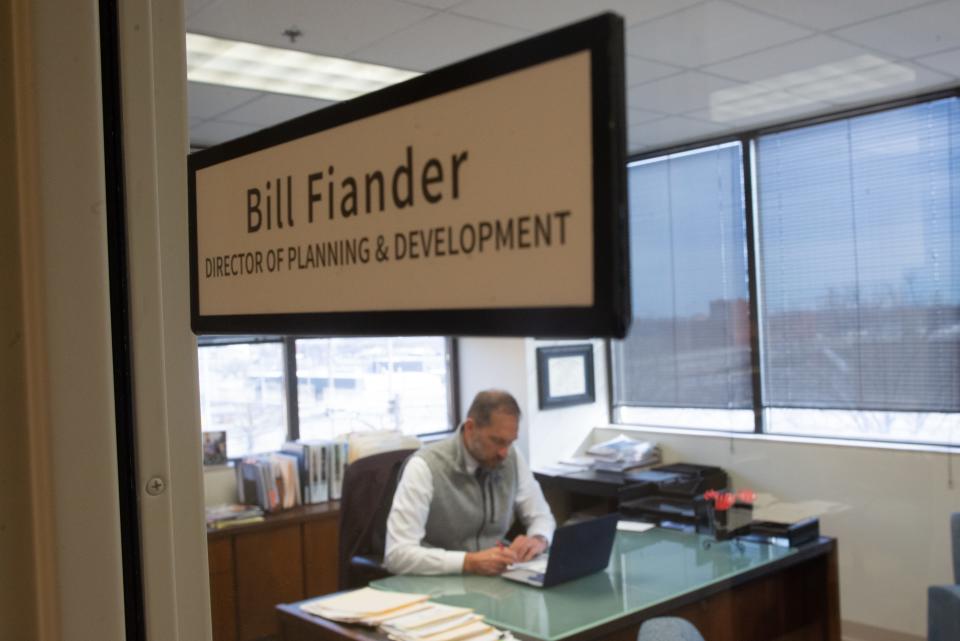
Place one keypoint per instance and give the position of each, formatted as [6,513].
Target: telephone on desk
[672,496]
[669,495]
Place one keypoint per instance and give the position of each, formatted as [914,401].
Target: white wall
[554,433]
[511,364]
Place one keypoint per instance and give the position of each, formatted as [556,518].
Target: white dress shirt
[406,525]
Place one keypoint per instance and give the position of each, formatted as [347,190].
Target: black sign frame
[610,314]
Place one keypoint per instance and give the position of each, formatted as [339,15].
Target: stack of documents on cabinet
[405,617]
[622,453]
[231,514]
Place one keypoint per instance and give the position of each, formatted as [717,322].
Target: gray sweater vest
[467,513]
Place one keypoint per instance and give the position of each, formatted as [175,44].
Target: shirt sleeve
[404,552]
[531,505]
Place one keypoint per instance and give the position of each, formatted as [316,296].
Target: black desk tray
[786,534]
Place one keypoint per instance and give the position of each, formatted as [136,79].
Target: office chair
[943,601]
[668,629]
[368,487]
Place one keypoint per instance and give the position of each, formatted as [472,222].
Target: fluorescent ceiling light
[800,88]
[250,66]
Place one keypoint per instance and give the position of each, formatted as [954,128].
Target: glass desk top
[645,569]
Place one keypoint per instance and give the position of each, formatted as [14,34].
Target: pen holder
[727,514]
[726,524]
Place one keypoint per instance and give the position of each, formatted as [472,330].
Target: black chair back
[368,487]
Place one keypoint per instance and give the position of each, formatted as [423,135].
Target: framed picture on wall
[565,375]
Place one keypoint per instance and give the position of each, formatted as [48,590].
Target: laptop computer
[577,550]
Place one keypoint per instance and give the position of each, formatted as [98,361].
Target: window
[242,392]
[860,274]
[857,237]
[342,385]
[688,351]
[345,385]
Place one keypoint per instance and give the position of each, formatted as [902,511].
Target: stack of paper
[230,514]
[405,617]
[436,623]
[622,453]
[366,605]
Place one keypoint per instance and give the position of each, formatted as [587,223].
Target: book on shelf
[338,465]
[301,473]
[270,481]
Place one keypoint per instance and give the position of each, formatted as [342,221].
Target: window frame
[291,393]
[747,140]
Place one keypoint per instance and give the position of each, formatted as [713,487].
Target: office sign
[486,198]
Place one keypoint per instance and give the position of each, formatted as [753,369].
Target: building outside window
[686,361]
[856,284]
[343,385]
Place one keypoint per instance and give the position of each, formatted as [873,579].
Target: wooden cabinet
[223,602]
[288,557]
[319,557]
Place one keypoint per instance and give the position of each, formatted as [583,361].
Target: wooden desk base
[800,602]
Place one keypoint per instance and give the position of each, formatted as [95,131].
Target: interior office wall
[511,364]
[61,430]
[18,586]
[556,432]
[487,363]
[892,518]
[60,544]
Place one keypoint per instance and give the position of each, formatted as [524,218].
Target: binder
[317,473]
[301,452]
[337,466]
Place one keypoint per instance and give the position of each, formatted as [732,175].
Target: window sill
[784,438]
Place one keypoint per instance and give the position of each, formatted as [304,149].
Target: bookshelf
[289,556]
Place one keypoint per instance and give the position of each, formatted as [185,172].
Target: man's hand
[527,547]
[490,562]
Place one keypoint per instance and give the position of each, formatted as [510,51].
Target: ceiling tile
[209,101]
[438,41]
[910,34]
[678,94]
[828,14]
[671,131]
[795,56]
[214,132]
[542,15]
[640,70]
[271,109]
[333,27]
[947,62]
[707,34]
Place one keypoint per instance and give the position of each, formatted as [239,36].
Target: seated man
[457,498]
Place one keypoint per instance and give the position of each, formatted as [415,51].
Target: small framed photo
[215,448]
[565,375]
